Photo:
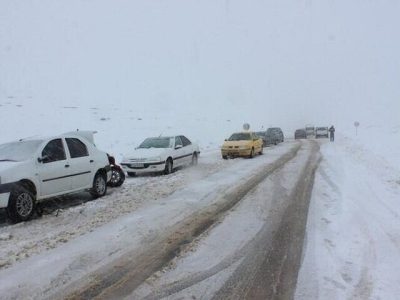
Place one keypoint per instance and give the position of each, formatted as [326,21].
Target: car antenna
[29,137]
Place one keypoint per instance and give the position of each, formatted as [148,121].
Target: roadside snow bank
[353,241]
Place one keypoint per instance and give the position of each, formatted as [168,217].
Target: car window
[178,141]
[76,148]
[19,151]
[54,151]
[185,141]
[260,133]
[160,142]
[240,137]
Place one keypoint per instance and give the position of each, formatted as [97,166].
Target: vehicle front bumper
[145,167]
[235,152]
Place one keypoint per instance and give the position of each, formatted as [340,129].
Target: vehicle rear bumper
[108,172]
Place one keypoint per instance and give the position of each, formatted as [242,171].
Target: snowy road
[235,229]
[154,212]
[253,251]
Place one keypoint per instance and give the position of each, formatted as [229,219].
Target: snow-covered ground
[55,251]
[204,267]
[71,216]
[352,248]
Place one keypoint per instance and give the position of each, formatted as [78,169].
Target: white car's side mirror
[43,159]
[178,146]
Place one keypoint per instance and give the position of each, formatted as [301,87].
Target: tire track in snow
[123,276]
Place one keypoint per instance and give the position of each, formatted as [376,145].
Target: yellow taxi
[242,144]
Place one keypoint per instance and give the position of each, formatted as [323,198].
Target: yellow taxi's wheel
[261,151]
[251,153]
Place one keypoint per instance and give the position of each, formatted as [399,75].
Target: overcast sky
[288,62]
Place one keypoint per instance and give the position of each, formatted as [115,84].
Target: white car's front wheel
[21,204]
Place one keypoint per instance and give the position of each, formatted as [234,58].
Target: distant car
[242,144]
[161,154]
[300,134]
[310,131]
[263,136]
[32,170]
[321,132]
[274,135]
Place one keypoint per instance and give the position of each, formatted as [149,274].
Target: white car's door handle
[91,160]
[67,166]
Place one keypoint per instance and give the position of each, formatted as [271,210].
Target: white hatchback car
[32,170]
[161,154]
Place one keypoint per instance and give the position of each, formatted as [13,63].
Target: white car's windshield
[240,137]
[18,151]
[162,142]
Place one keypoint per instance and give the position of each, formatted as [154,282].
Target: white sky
[287,62]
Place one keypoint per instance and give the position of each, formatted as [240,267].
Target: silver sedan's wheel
[168,167]
[195,159]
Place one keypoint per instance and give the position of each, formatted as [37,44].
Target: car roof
[85,134]
[161,137]
[243,132]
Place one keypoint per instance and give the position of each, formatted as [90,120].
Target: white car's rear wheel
[99,188]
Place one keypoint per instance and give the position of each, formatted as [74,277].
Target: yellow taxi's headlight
[244,147]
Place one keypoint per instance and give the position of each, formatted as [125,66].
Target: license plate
[137,165]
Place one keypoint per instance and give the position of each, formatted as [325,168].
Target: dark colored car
[263,136]
[274,135]
[300,134]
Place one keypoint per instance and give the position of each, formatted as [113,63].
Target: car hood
[8,165]
[146,153]
[236,143]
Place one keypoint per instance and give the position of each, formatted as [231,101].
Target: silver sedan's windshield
[19,151]
[161,142]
